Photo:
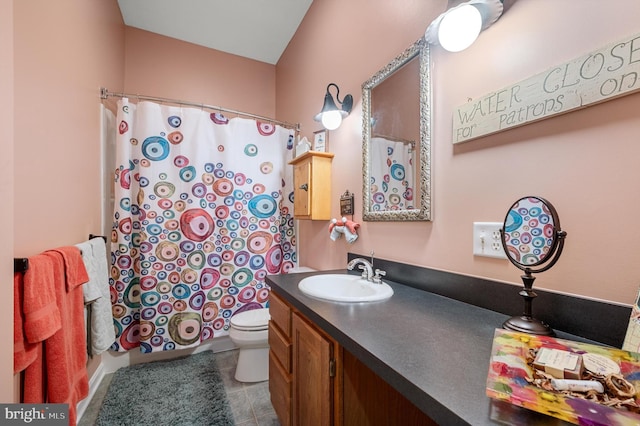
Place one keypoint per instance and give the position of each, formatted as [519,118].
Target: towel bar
[20,264]
[92,236]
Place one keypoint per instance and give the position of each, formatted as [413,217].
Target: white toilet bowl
[249,332]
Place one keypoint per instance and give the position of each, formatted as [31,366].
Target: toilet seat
[249,331]
[253,320]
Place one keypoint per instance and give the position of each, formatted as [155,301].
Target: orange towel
[41,319]
[41,314]
[24,353]
[75,272]
[35,383]
[65,354]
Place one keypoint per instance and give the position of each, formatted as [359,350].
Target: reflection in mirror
[531,237]
[396,139]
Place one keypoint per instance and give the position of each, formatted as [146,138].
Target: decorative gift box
[512,378]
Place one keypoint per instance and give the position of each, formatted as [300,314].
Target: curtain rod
[104,94]
[394,139]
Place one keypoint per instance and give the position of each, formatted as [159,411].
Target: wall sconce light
[458,27]
[331,116]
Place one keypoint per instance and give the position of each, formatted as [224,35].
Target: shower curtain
[392,175]
[203,212]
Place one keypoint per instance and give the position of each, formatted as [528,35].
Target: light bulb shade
[458,27]
[331,116]
[331,120]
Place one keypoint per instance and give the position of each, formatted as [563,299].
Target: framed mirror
[396,139]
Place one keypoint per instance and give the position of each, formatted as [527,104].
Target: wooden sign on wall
[599,76]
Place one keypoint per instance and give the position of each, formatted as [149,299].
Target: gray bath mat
[184,391]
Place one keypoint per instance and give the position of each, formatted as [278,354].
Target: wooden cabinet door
[370,401]
[302,189]
[312,382]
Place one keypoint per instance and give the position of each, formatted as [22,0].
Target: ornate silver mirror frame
[422,207]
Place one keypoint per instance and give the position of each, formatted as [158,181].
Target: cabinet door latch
[332,368]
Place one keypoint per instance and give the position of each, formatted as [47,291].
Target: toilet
[249,332]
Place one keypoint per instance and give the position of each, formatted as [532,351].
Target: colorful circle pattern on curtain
[197,227]
[392,175]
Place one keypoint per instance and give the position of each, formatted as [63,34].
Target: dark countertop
[432,349]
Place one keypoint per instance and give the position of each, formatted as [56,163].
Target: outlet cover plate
[487,240]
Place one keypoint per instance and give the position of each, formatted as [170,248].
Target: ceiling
[255,29]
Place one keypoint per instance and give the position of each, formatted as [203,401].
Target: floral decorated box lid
[511,379]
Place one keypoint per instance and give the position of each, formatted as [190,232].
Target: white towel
[91,289]
[96,292]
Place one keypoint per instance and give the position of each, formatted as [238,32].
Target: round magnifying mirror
[531,238]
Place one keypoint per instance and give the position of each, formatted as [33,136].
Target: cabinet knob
[304,187]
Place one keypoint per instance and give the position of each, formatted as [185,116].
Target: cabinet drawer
[280,346]
[280,314]
[280,390]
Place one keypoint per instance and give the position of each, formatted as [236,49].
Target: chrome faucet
[365,266]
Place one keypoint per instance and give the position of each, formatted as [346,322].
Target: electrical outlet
[487,240]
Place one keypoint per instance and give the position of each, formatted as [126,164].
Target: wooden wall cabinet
[312,185]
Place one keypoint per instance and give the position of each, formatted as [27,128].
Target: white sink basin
[344,288]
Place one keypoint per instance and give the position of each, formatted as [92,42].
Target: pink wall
[6,194]
[164,67]
[64,51]
[584,162]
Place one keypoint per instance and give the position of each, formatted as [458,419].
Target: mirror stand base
[526,324]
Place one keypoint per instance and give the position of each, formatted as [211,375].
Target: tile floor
[250,402]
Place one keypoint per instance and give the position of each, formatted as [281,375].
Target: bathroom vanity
[312,380]
[416,358]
